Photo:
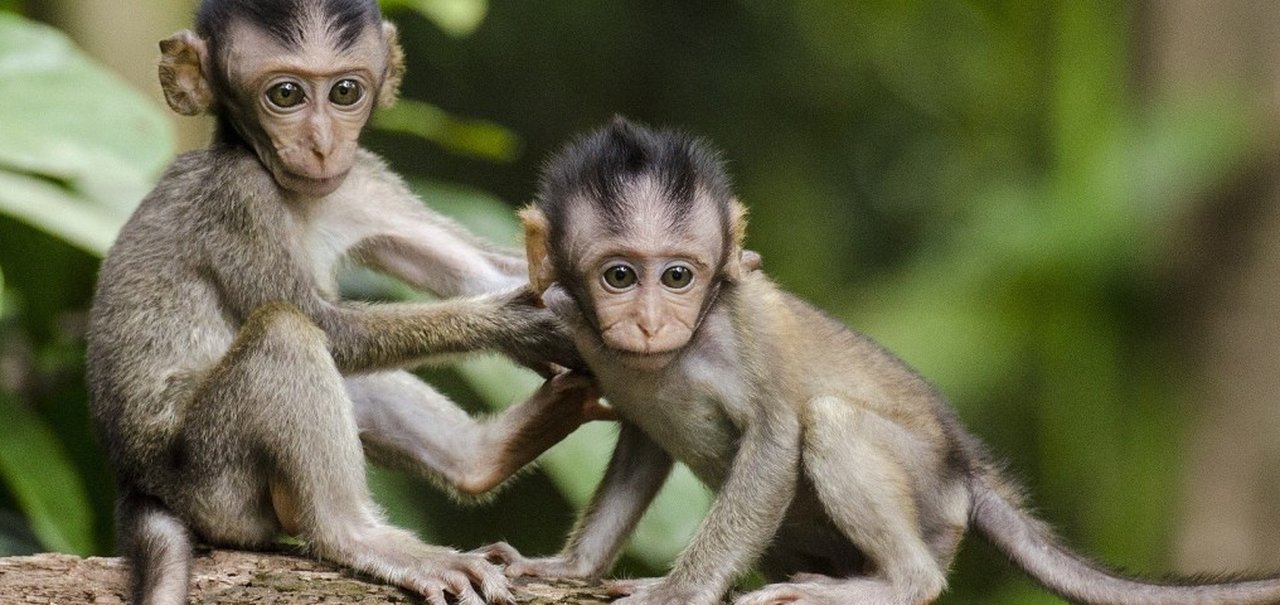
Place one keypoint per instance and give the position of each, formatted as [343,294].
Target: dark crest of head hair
[282,19]
[602,164]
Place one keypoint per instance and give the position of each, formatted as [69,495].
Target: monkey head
[640,234]
[294,80]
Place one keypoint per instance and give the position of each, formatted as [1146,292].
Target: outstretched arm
[406,424]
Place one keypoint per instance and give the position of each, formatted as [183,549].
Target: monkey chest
[688,417]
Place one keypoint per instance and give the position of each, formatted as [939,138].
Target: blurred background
[1064,213]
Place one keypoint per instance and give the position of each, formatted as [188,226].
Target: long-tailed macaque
[837,468]
[232,388]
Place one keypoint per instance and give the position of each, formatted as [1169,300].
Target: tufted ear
[536,229]
[184,77]
[394,73]
[739,261]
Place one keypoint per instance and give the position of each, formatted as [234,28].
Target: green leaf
[476,138]
[458,18]
[58,211]
[482,213]
[80,147]
[43,480]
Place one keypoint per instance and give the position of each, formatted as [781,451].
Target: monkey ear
[184,61]
[394,72]
[541,274]
[739,262]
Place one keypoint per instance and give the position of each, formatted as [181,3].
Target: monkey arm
[425,249]
[438,256]
[745,515]
[365,337]
[636,472]
[406,424]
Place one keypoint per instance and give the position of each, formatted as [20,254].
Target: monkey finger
[618,588]
[597,409]
[479,571]
[459,585]
[435,595]
[495,590]
[499,552]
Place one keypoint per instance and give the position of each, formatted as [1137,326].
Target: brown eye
[620,277]
[285,95]
[677,277]
[346,92]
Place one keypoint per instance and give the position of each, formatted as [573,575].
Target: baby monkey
[838,469]
[236,393]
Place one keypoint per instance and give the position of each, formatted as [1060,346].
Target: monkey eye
[346,92]
[677,277]
[620,277]
[285,95]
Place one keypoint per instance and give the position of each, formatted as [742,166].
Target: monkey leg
[272,444]
[860,465]
[406,424]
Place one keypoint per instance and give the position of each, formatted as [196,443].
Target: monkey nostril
[648,331]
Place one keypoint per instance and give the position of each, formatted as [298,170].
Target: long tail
[158,546]
[1032,546]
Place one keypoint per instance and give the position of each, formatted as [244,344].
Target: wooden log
[229,577]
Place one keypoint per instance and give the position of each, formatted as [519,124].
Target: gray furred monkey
[234,392]
[843,473]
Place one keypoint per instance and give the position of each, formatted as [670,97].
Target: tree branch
[235,577]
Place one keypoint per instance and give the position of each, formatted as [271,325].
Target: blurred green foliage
[978,184]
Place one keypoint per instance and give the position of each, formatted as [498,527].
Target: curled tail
[1032,546]
[158,547]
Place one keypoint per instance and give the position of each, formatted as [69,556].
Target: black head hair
[282,18]
[600,166]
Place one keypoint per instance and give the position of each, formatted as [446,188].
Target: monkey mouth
[312,184]
[644,360]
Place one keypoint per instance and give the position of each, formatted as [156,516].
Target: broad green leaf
[79,147]
[457,18]
[60,212]
[477,138]
[43,480]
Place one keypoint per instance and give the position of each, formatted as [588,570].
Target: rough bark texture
[233,577]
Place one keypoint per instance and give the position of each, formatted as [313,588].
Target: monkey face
[648,282]
[302,108]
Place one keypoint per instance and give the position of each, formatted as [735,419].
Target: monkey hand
[538,338]
[453,577]
[657,591]
[573,398]
[559,566]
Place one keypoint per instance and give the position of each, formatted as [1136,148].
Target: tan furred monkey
[235,392]
[838,470]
